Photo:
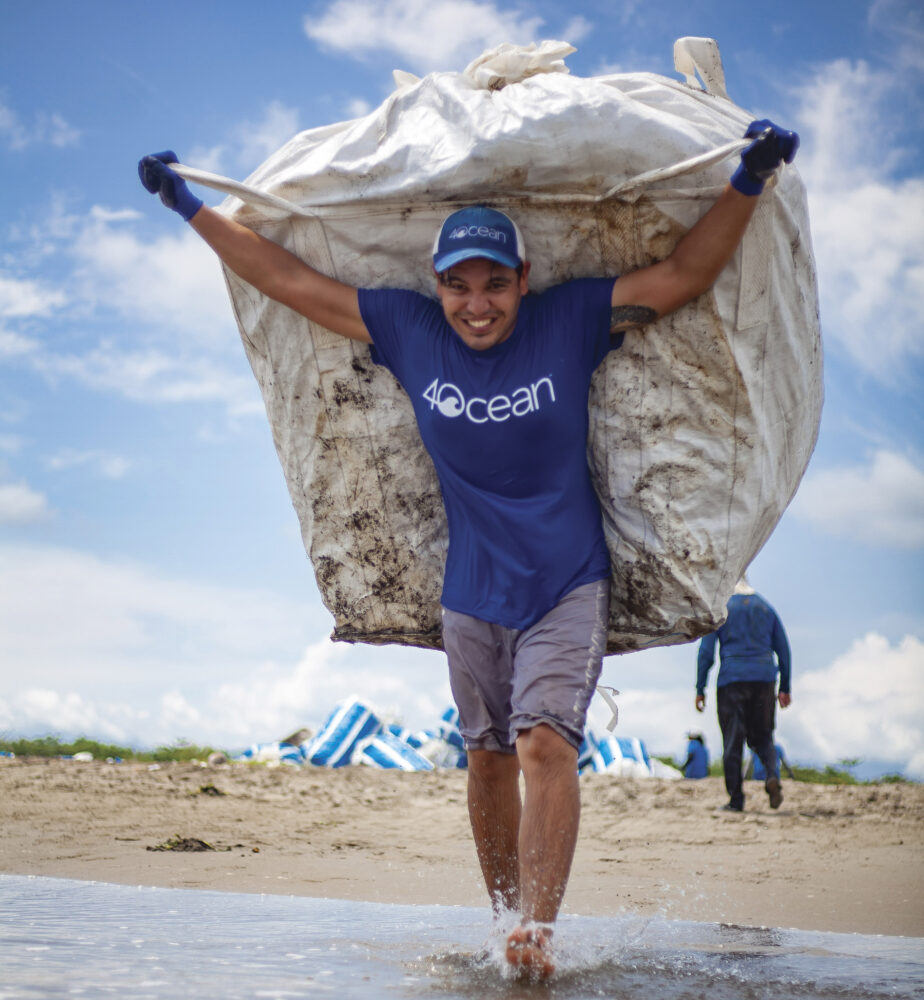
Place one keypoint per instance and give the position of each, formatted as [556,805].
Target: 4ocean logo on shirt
[450,401]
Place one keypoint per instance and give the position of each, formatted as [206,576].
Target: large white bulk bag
[701,425]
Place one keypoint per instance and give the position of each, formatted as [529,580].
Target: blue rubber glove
[772,146]
[158,178]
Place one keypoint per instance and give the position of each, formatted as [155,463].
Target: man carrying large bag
[499,381]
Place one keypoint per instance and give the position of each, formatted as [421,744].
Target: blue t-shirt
[750,636]
[760,772]
[507,431]
[698,757]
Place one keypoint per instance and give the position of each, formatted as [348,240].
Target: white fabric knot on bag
[507,63]
[504,64]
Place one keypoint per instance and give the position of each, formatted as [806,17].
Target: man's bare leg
[494,811]
[548,835]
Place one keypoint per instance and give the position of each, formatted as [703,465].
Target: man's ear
[524,278]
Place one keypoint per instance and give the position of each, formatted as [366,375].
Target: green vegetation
[52,746]
[829,775]
[841,775]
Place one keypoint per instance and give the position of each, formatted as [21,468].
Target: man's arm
[282,276]
[704,660]
[642,296]
[780,643]
[270,268]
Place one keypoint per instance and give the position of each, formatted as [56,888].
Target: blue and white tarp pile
[626,757]
[353,733]
[273,753]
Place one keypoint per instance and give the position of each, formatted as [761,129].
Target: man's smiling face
[480,300]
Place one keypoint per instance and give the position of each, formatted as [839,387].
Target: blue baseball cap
[478,232]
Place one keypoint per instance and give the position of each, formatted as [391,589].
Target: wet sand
[839,858]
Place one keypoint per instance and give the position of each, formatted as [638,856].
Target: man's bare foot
[529,951]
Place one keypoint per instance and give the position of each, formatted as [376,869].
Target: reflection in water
[61,938]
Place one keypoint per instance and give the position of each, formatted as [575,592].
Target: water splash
[61,938]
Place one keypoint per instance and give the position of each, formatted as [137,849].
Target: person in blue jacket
[758,772]
[753,650]
[499,380]
[697,763]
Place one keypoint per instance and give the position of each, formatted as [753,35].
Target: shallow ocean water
[62,938]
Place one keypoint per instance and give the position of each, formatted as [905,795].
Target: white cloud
[15,345]
[881,502]
[400,683]
[54,129]
[210,158]
[69,619]
[425,34]
[263,704]
[140,658]
[257,140]
[25,297]
[40,711]
[173,282]
[45,129]
[157,375]
[868,241]
[116,651]
[10,443]
[576,29]
[32,243]
[358,108]
[111,266]
[107,465]
[868,704]
[610,68]
[251,143]
[19,503]
[903,22]
[11,128]
[170,333]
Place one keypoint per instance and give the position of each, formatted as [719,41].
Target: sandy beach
[840,858]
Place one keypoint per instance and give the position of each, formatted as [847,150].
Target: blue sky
[153,585]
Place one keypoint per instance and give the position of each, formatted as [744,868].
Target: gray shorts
[505,680]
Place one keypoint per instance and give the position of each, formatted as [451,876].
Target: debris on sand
[188,844]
